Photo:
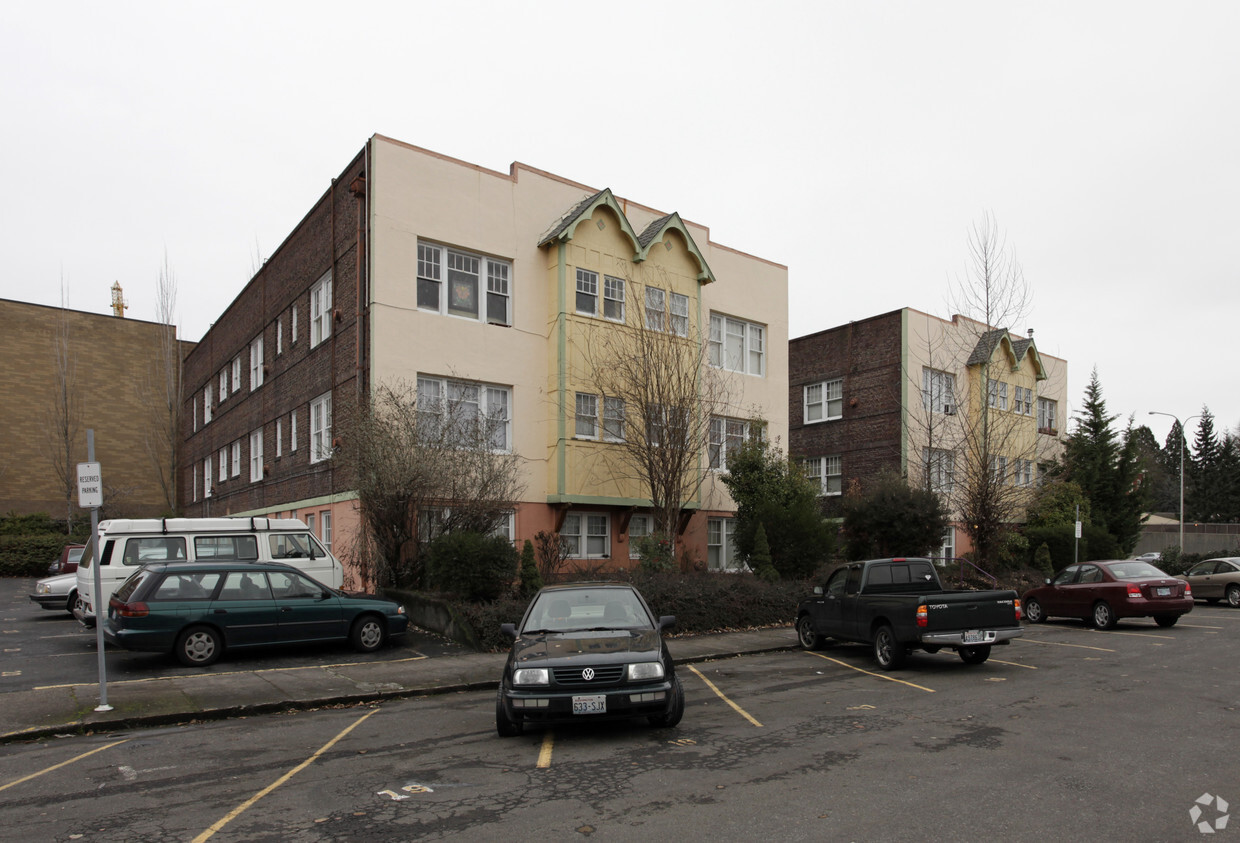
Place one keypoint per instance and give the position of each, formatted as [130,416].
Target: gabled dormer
[1013,353]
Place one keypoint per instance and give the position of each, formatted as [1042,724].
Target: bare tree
[425,464]
[162,391]
[63,421]
[664,394]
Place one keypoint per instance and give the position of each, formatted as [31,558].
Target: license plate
[1163,592]
[596,704]
[974,636]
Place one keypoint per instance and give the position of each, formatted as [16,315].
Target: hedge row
[29,556]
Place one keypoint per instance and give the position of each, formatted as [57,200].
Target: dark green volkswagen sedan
[196,610]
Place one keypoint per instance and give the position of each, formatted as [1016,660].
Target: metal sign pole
[94,499]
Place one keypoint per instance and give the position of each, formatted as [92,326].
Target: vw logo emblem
[587,674]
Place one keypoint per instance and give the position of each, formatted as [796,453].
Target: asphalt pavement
[221,691]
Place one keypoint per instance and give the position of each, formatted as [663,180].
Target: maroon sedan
[1105,591]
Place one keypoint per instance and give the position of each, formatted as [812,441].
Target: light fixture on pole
[1183,438]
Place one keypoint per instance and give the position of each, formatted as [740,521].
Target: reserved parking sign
[90,485]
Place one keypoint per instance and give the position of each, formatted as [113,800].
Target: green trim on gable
[604,198]
[674,223]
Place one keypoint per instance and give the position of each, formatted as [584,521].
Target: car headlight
[531,676]
[645,671]
[42,588]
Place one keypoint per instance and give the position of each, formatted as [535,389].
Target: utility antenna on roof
[118,301]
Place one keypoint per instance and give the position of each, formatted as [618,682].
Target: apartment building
[927,397]
[481,287]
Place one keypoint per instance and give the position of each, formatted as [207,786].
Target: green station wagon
[196,610]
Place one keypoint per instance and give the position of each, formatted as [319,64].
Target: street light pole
[1183,437]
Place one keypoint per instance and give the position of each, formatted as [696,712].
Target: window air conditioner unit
[949,410]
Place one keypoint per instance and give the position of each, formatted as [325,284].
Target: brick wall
[325,240]
[867,355]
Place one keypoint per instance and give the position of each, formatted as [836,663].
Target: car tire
[1166,621]
[808,638]
[505,725]
[198,646]
[1233,596]
[1104,615]
[368,634]
[1033,612]
[888,651]
[676,709]
[71,602]
[974,654]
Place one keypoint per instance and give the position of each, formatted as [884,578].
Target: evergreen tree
[1202,490]
[1229,479]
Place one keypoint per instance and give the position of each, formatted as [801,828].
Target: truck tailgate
[958,610]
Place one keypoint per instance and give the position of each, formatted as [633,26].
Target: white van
[126,544]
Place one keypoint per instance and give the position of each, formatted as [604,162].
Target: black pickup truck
[898,605]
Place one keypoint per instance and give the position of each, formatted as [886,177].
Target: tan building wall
[112,362]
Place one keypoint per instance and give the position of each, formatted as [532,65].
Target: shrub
[1059,540]
[531,579]
[657,553]
[761,558]
[1042,559]
[472,565]
[29,555]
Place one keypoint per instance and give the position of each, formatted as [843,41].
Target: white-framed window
[1003,395]
[325,528]
[721,545]
[292,327]
[587,415]
[506,526]
[256,455]
[195,427]
[194,484]
[310,522]
[223,463]
[940,468]
[998,469]
[640,526]
[656,309]
[279,438]
[321,428]
[947,547]
[206,406]
[468,402]
[726,437]
[938,391]
[463,272]
[588,535]
[992,393]
[292,431]
[223,384]
[279,336]
[1023,473]
[321,309]
[236,459]
[587,292]
[613,419]
[236,373]
[1023,401]
[256,363]
[207,485]
[1046,415]
[613,298]
[737,346]
[823,401]
[679,324]
[827,474]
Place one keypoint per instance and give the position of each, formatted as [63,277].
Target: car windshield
[586,608]
[1134,570]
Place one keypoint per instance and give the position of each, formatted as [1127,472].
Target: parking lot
[1067,733]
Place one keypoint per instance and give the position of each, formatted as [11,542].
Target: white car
[58,592]
[1152,558]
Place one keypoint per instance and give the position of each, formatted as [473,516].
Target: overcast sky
[856,143]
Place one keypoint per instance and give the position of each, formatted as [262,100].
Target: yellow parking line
[244,806]
[1195,626]
[721,696]
[871,673]
[1014,664]
[1062,644]
[230,673]
[1140,634]
[544,754]
[61,764]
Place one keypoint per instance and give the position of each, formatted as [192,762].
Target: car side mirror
[818,590]
[323,595]
[509,629]
[665,621]
[1047,580]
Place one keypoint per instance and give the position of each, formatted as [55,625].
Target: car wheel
[1104,617]
[1166,620]
[675,710]
[888,651]
[810,640]
[975,654]
[198,646]
[1033,612]
[1233,596]
[368,634]
[505,725]
[71,602]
